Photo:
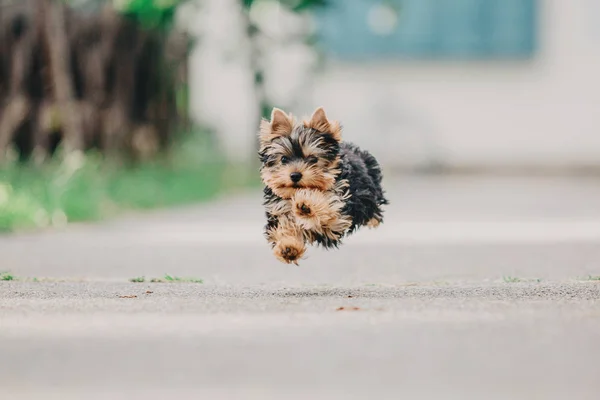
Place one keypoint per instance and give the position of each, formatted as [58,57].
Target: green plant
[175,279]
[38,197]
[138,279]
[92,187]
[150,13]
[6,276]
[511,279]
[294,5]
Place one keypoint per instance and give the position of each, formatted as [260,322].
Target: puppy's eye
[312,160]
[285,160]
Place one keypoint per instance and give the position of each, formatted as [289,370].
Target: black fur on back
[363,173]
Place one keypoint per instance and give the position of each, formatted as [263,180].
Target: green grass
[514,279]
[175,279]
[90,187]
[592,278]
[139,279]
[6,276]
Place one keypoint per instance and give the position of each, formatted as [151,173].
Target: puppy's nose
[295,177]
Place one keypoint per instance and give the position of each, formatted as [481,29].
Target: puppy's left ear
[319,122]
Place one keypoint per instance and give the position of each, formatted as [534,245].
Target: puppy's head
[299,155]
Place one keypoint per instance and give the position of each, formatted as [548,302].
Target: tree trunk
[85,81]
[14,104]
[60,71]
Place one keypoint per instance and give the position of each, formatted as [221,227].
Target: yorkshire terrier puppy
[318,189]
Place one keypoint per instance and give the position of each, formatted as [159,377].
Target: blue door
[434,29]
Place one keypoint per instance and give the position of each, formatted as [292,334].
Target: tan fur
[314,177]
[373,223]
[288,241]
[317,211]
[325,207]
[281,124]
[319,122]
[311,148]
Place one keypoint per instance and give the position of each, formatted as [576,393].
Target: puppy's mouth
[289,189]
[292,185]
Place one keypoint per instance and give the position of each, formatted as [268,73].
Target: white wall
[222,93]
[221,81]
[544,112]
[539,113]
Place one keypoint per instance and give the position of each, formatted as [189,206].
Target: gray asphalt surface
[473,289]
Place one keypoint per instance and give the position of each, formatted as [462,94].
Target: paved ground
[474,288]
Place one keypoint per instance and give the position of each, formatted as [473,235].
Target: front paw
[289,251]
[303,209]
[311,208]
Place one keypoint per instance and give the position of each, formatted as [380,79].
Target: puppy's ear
[281,124]
[319,122]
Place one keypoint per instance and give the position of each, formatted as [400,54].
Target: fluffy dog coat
[318,189]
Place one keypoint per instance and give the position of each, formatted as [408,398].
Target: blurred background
[483,281]
[113,105]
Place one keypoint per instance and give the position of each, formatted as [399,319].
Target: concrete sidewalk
[473,288]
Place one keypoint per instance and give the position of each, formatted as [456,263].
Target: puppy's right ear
[319,122]
[281,124]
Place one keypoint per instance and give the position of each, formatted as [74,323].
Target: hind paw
[373,223]
[289,251]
